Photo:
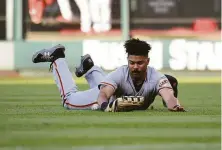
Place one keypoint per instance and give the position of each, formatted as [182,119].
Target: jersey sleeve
[162,82]
[113,79]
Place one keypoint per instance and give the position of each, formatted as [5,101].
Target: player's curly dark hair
[137,47]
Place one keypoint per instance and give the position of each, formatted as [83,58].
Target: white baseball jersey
[122,83]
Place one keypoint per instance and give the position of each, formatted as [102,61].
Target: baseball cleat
[49,54]
[86,64]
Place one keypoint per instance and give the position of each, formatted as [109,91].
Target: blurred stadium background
[185,36]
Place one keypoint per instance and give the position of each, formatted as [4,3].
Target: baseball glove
[125,103]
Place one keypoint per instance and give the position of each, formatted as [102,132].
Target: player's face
[138,66]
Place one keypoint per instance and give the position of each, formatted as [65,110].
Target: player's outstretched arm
[104,95]
[172,102]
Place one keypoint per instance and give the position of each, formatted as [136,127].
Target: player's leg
[96,15]
[93,74]
[85,16]
[63,78]
[71,98]
[174,83]
[65,9]
[62,75]
[82,99]
[105,15]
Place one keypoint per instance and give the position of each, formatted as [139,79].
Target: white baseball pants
[93,12]
[71,97]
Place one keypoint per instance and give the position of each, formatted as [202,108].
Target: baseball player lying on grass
[129,87]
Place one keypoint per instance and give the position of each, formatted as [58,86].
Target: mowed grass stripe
[214,79]
[113,118]
[29,98]
[29,126]
[159,146]
[41,110]
[105,132]
[49,101]
[120,140]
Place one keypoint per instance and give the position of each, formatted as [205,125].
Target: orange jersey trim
[80,106]
[60,80]
[108,84]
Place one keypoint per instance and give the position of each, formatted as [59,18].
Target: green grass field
[31,117]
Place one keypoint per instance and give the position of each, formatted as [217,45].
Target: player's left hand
[177,108]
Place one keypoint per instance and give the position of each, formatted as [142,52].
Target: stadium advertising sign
[178,54]
[195,55]
[7,57]
[161,7]
[110,55]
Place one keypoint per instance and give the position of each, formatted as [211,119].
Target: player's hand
[95,107]
[177,108]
